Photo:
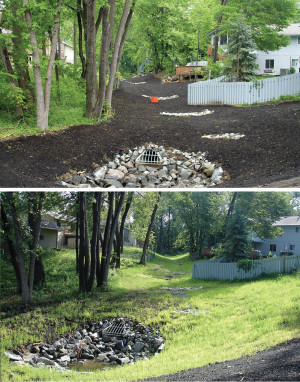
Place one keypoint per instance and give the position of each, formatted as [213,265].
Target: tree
[96,96]
[88,255]
[236,242]
[241,60]
[21,216]
[119,241]
[42,93]
[217,31]
[161,34]
[114,209]
[265,18]
[147,238]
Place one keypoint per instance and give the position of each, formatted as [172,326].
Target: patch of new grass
[231,319]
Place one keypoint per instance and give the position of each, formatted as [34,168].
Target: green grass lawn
[231,319]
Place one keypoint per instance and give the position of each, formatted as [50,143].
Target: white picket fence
[230,271]
[242,93]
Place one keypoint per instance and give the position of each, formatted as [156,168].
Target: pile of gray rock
[178,169]
[90,342]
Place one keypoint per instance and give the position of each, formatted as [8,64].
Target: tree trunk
[126,29]
[105,240]
[107,26]
[121,231]
[216,37]
[39,272]
[91,84]
[13,82]
[77,241]
[95,239]
[42,96]
[35,202]
[75,44]
[20,57]
[114,62]
[82,244]
[146,242]
[80,40]
[112,235]
[8,234]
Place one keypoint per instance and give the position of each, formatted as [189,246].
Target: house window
[297,229]
[298,40]
[223,40]
[294,62]
[269,64]
[292,247]
[273,247]
[41,237]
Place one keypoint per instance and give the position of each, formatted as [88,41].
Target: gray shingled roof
[291,30]
[46,224]
[288,220]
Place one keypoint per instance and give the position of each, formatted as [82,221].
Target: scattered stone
[138,347]
[182,288]
[13,357]
[178,169]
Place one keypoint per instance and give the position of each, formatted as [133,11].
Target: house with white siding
[277,62]
[280,61]
[287,243]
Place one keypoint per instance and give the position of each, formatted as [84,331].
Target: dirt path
[281,363]
[268,153]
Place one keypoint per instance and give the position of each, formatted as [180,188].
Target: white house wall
[283,243]
[282,57]
[68,54]
[48,238]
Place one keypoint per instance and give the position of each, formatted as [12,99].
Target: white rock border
[195,114]
[135,83]
[234,136]
[163,98]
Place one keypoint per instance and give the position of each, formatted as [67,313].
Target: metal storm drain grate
[115,329]
[150,156]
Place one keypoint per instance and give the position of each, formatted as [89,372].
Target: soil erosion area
[268,153]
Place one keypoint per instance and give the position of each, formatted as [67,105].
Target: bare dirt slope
[268,153]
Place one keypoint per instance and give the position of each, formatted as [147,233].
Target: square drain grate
[115,329]
[150,156]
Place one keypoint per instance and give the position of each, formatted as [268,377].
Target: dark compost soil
[268,153]
[281,363]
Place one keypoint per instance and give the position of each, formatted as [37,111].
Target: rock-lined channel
[178,169]
[90,342]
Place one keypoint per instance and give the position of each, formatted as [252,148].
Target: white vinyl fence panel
[230,271]
[242,93]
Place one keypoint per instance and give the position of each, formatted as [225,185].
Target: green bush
[292,70]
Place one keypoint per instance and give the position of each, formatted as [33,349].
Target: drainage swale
[96,345]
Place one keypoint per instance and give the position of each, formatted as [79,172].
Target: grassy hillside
[221,321]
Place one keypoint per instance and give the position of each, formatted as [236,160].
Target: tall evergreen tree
[241,62]
[236,239]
